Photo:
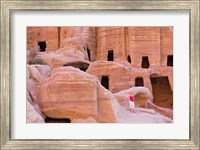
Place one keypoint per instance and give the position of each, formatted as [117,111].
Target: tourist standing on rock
[132,99]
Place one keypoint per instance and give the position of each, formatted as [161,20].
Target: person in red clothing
[132,99]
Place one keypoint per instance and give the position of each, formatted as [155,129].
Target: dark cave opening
[110,56]
[57,120]
[42,45]
[162,93]
[81,65]
[145,62]
[170,60]
[139,81]
[129,59]
[88,52]
[105,82]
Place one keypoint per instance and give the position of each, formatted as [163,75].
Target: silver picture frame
[8,6]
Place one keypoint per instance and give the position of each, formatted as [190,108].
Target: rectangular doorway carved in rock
[145,62]
[170,60]
[105,82]
[110,56]
[139,81]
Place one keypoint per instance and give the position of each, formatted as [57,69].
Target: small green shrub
[32,53]
[37,61]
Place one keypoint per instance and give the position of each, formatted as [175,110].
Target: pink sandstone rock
[71,52]
[79,38]
[59,59]
[109,109]
[121,77]
[142,115]
[32,90]
[143,99]
[118,74]
[71,93]
[164,111]
[141,94]
[32,115]
[35,75]
[72,43]
[158,80]
[74,94]
[126,47]
[154,42]
[38,72]
[47,34]
[88,120]
[34,105]
[85,38]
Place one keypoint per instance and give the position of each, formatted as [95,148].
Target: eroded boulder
[141,94]
[35,75]
[74,94]
[59,59]
[32,115]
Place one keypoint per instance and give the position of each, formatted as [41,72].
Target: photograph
[99,74]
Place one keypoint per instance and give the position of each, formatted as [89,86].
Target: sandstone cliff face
[80,38]
[147,43]
[111,38]
[122,76]
[63,38]
[76,47]
[38,34]
[117,74]
[135,44]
